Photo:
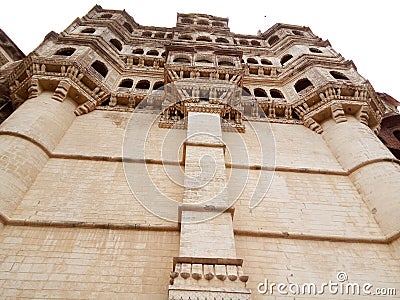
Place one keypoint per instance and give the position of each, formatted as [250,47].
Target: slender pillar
[372,169]
[207,265]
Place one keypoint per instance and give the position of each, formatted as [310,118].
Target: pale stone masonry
[193,163]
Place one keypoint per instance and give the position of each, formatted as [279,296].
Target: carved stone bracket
[206,278]
[85,108]
[313,125]
[34,88]
[61,91]
[338,113]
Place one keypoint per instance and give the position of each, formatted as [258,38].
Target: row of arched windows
[151,52]
[203,60]
[141,84]
[274,39]
[202,22]
[261,93]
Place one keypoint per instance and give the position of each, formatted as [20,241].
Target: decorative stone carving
[338,113]
[61,91]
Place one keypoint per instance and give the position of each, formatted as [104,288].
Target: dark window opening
[128,27]
[251,60]
[65,51]
[245,91]
[260,93]
[222,40]
[255,43]
[338,75]
[315,50]
[185,37]
[203,22]
[117,44]
[204,39]
[204,61]
[182,60]
[286,58]
[100,68]
[218,24]
[302,84]
[152,53]
[276,94]
[396,133]
[243,42]
[88,30]
[105,102]
[126,83]
[159,85]
[266,62]
[187,21]
[138,51]
[160,35]
[273,40]
[143,85]
[296,32]
[147,34]
[226,63]
[106,16]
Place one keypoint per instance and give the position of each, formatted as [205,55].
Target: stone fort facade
[191,162]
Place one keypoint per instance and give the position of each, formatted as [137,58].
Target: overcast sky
[366,32]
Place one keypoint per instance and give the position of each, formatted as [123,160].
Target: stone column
[207,265]
[27,137]
[372,168]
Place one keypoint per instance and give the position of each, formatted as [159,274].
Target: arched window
[185,37]
[315,50]
[187,21]
[106,16]
[117,44]
[203,22]
[88,30]
[204,61]
[302,84]
[138,51]
[338,75]
[128,27]
[226,63]
[163,54]
[222,40]
[65,51]
[266,62]
[182,60]
[296,32]
[147,34]
[277,94]
[218,24]
[251,60]
[396,133]
[143,85]
[159,85]
[245,91]
[255,43]
[203,39]
[126,83]
[152,53]
[243,42]
[160,35]
[273,40]
[260,93]
[100,67]
[286,58]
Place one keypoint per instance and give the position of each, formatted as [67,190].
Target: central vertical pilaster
[207,265]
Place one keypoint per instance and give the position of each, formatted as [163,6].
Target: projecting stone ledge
[208,278]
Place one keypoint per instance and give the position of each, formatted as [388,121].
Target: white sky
[366,32]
